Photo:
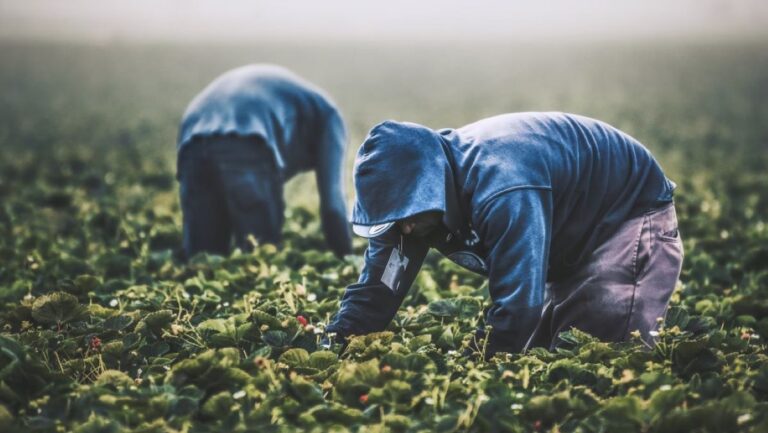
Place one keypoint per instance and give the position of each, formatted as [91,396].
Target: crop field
[104,329]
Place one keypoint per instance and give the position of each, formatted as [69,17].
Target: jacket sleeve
[329,174]
[515,228]
[369,305]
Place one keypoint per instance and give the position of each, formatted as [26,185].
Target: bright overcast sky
[259,20]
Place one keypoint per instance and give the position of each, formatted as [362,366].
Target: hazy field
[142,342]
[692,105]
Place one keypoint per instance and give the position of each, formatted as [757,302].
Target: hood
[403,169]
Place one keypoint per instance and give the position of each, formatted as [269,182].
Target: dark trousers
[624,287]
[230,189]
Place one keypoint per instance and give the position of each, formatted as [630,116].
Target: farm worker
[571,220]
[241,138]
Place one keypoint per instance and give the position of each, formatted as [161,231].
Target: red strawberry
[303,320]
[364,399]
[95,343]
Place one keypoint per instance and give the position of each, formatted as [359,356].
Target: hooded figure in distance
[570,219]
[240,139]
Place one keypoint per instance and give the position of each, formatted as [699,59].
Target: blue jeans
[230,188]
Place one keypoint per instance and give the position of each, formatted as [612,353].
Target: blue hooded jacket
[525,197]
[296,120]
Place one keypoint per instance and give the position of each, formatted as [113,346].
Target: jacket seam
[636,251]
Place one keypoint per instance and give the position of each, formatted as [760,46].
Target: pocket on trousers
[669,235]
[664,223]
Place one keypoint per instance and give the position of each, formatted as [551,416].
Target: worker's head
[402,176]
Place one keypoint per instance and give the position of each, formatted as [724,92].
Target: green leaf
[305,391]
[218,405]
[663,401]
[56,308]
[322,360]
[623,413]
[365,373]
[337,413]
[548,408]
[98,424]
[468,306]
[156,321]
[216,325]
[677,316]
[419,341]
[295,357]
[263,318]
[276,338]
[118,323]
[158,348]
[418,362]
[131,341]
[6,418]
[115,378]
[443,308]
[87,283]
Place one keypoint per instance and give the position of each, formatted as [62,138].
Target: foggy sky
[252,20]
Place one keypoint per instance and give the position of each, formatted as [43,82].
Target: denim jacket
[295,119]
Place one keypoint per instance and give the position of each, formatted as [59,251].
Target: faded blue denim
[526,198]
[294,120]
[230,188]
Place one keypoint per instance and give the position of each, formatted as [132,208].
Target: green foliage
[103,328]
[56,308]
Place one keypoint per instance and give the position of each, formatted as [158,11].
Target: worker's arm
[329,173]
[371,303]
[515,230]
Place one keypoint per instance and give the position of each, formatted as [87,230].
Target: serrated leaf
[215,325]
[56,308]
[118,323]
[443,308]
[276,338]
[295,357]
[322,360]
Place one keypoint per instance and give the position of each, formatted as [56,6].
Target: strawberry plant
[103,327]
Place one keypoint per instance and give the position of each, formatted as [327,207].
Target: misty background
[111,79]
[406,20]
